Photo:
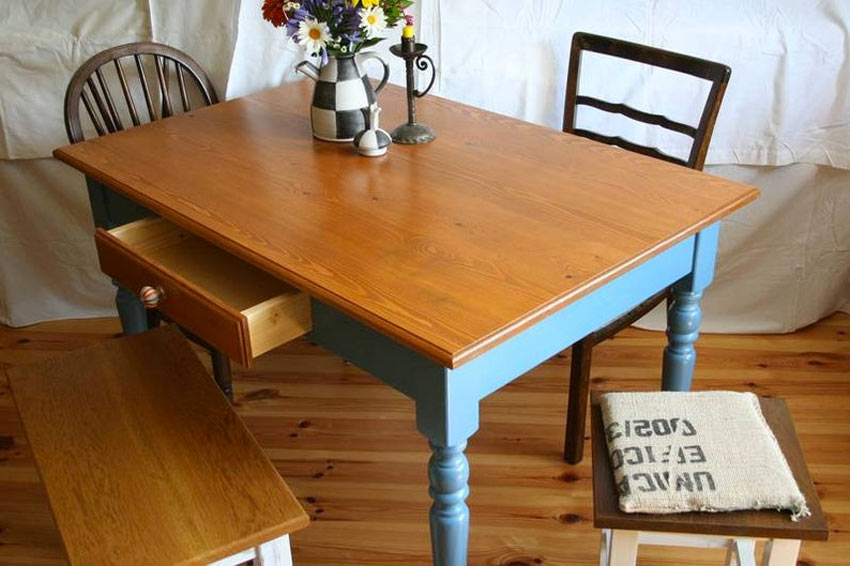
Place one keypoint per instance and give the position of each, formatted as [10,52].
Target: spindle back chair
[718,75]
[128,67]
[180,84]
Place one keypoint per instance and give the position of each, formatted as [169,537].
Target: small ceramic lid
[373,141]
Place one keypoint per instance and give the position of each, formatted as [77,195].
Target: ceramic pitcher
[343,95]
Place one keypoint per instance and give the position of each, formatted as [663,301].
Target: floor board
[348,446]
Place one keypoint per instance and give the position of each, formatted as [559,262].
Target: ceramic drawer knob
[151,296]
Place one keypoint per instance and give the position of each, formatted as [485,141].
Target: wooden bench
[144,461]
[736,531]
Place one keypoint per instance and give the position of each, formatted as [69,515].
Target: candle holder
[413,53]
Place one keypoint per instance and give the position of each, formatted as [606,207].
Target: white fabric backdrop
[787,100]
[784,260]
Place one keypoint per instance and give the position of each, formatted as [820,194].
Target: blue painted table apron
[447,399]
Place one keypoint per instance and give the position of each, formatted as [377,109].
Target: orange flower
[273,11]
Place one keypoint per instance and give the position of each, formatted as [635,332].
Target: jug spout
[309,69]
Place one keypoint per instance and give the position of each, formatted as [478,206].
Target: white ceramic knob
[151,296]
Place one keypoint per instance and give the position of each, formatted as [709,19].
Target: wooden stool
[736,531]
[144,461]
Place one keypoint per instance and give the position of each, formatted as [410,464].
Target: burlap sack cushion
[674,452]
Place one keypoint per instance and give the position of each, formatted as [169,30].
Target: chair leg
[578,400]
[221,372]
[274,553]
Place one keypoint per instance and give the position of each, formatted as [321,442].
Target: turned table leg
[448,472]
[683,320]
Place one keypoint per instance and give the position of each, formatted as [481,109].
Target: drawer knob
[151,296]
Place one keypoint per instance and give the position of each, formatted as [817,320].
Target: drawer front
[204,315]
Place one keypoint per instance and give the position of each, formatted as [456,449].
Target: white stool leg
[624,545]
[275,553]
[731,554]
[780,552]
[605,548]
[744,551]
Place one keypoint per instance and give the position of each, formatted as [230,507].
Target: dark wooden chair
[120,88]
[718,75]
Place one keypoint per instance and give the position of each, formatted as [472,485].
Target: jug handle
[309,69]
[386,77]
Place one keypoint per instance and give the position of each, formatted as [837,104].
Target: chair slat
[101,106]
[92,114]
[110,104]
[162,77]
[638,115]
[184,96]
[143,78]
[125,88]
[631,146]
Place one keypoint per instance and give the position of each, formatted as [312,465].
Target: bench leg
[623,548]
[780,552]
[274,553]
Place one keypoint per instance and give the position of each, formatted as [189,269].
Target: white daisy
[373,20]
[313,35]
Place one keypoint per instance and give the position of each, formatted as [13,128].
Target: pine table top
[449,248]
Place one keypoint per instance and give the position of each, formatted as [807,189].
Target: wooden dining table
[445,270]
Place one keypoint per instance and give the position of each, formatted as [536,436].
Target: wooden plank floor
[349,449]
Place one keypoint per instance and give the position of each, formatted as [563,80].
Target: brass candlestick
[413,53]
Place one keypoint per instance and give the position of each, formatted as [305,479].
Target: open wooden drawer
[234,306]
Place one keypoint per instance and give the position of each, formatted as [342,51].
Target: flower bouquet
[335,27]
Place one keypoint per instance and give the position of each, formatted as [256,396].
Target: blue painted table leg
[132,313]
[448,471]
[683,320]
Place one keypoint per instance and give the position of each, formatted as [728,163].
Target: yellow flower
[366,3]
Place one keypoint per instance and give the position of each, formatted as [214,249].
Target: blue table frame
[447,399]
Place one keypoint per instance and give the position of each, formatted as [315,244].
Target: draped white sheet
[788,100]
[784,260]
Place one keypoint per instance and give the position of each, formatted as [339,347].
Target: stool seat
[736,531]
[143,459]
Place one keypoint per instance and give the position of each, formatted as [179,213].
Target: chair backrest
[93,82]
[716,73]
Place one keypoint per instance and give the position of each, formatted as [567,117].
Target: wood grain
[761,524]
[449,248]
[143,460]
[348,447]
